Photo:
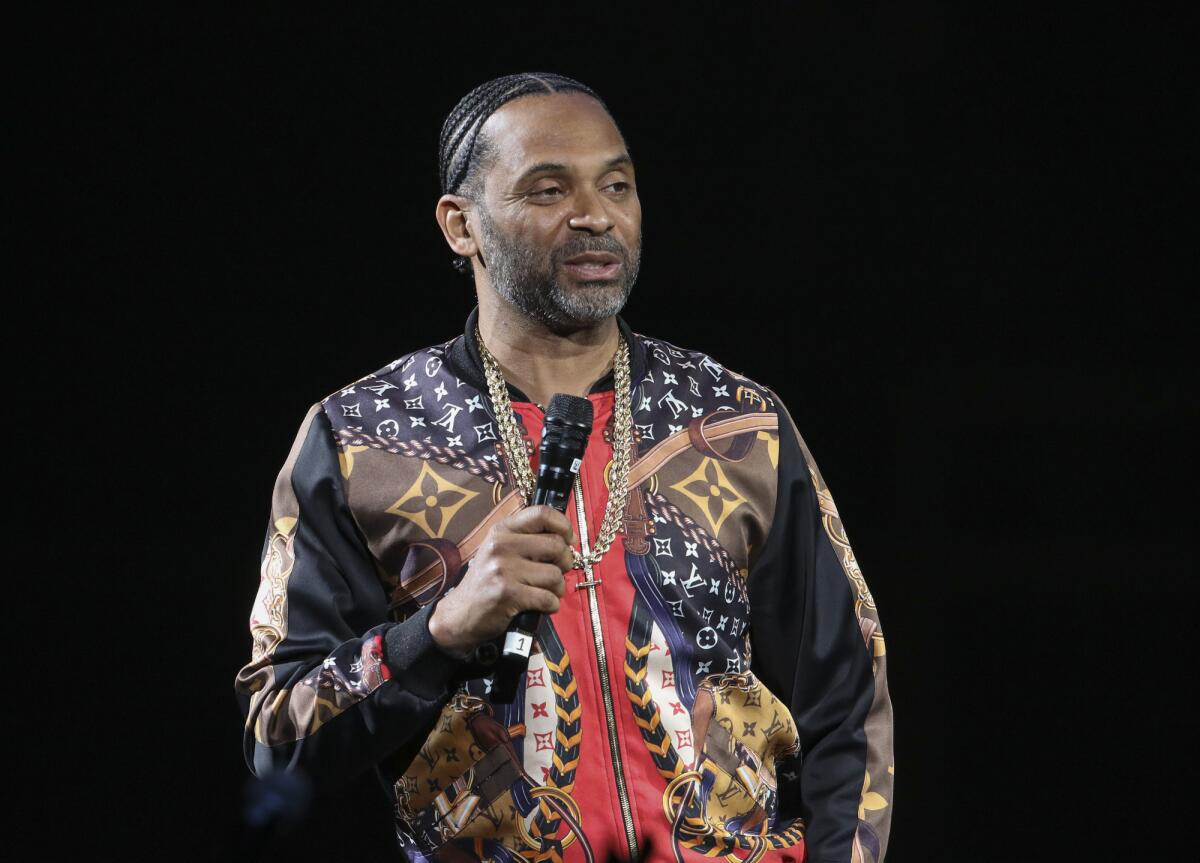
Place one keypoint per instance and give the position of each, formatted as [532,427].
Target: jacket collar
[463,356]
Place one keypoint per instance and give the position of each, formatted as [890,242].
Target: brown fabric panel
[733,502]
[398,500]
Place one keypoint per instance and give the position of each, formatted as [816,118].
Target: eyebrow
[548,167]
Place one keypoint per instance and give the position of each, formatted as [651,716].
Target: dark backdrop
[954,239]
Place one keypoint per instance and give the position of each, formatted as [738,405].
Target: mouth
[591,266]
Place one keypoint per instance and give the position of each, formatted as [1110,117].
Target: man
[401,546]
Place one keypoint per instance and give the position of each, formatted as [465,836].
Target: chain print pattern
[456,458]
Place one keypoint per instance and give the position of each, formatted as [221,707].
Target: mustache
[580,245]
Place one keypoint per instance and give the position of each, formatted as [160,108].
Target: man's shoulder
[409,386]
[698,376]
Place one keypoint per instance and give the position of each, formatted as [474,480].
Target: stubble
[534,286]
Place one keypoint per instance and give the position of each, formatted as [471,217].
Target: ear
[451,215]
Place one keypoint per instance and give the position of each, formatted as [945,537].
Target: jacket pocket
[726,804]
[466,792]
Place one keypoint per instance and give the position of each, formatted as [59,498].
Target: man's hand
[519,567]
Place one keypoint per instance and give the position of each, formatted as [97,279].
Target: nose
[590,214]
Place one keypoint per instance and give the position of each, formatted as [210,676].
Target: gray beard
[523,281]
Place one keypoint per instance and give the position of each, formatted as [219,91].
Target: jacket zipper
[605,689]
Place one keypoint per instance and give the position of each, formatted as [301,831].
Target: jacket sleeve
[820,649]
[333,686]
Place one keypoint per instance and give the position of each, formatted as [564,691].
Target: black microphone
[565,433]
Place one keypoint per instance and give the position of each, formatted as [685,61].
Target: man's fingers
[545,576]
[541,547]
[541,519]
[537,599]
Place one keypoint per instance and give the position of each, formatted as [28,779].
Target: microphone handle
[518,640]
[565,431]
[529,621]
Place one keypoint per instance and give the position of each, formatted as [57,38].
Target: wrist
[444,636]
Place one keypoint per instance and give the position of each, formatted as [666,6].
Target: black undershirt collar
[463,357]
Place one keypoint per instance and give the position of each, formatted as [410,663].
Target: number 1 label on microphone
[517,643]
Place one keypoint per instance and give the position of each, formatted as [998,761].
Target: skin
[590,199]
[589,202]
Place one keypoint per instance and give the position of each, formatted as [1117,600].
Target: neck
[541,361]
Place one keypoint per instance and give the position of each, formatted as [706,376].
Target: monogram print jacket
[713,686]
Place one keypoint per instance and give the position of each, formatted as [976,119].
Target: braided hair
[463,154]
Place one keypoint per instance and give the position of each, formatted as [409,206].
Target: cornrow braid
[460,152]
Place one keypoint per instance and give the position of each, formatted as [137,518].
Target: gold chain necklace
[518,458]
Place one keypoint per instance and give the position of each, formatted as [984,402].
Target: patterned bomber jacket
[718,690]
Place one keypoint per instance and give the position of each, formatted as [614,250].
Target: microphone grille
[571,410]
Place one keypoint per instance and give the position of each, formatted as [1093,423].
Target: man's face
[560,223]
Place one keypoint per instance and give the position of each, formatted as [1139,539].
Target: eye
[548,192]
[619,186]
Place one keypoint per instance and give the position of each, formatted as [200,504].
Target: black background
[957,240]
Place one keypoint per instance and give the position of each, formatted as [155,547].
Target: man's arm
[333,686]
[818,646]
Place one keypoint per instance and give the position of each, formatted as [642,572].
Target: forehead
[570,128]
